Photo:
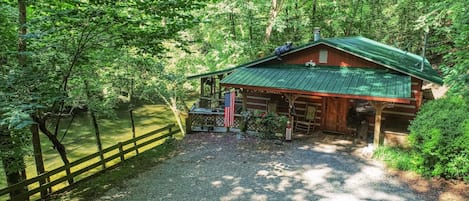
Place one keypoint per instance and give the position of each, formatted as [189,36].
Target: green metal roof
[388,56]
[332,80]
[209,74]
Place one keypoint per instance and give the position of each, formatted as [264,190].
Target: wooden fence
[136,143]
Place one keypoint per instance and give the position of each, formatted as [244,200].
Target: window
[323,56]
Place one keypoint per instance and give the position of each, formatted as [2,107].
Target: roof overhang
[355,83]
[391,57]
[377,62]
[348,96]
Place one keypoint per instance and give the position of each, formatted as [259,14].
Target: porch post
[220,77]
[379,107]
[291,102]
[202,83]
[245,99]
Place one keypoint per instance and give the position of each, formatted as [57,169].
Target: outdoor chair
[308,124]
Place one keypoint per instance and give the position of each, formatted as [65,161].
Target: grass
[80,140]
[394,157]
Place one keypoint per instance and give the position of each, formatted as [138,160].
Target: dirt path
[226,167]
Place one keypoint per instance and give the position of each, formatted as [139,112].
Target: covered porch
[336,100]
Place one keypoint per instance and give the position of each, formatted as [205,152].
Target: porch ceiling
[360,83]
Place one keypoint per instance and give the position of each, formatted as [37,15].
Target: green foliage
[439,136]
[247,115]
[144,49]
[396,158]
[14,145]
[271,123]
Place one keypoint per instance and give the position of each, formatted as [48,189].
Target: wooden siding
[407,110]
[403,111]
[259,101]
[334,58]
[300,107]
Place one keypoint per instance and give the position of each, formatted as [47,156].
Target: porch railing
[207,121]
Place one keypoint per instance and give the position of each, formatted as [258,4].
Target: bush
[271,123]
[439,136]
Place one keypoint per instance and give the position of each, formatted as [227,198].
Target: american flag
[229,108]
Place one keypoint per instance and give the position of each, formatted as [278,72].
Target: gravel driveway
[227,167]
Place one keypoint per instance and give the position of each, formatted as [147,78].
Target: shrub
[439,136]
[271,123]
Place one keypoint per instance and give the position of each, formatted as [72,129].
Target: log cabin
[347,85]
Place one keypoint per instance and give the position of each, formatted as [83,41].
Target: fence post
[48,181]
[169,131]
[121,152]
[188,123]
[101,156]
[68,171]
[135,145]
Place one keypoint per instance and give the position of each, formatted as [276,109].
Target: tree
[69,41]
[13,138]
[449,24]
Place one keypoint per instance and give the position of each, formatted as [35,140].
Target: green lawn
[80,140]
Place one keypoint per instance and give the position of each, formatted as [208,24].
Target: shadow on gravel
[312,175]
[226,167]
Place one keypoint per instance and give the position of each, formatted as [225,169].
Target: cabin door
[335,116]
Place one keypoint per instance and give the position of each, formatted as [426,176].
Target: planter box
[395,139]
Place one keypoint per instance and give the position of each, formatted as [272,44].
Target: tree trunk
[22,32]
[133,128]
[275,9]
[313,19]
[12,165]
[94,121]
[131,112]
[177,113]
[58,146]
[296,24]
[251,32]
[350,19]
[233,24]
[172,104]
[38,156]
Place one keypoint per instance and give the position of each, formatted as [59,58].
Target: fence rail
[119,147]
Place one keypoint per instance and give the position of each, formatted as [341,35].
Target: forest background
[58,57]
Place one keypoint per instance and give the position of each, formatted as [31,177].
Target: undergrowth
[394,157]
[439,139]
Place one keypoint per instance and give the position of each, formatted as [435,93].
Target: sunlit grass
[397,158]
[80,140]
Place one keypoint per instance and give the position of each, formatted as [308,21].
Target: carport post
[379,107]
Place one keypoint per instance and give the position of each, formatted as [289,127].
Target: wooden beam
[379,107]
